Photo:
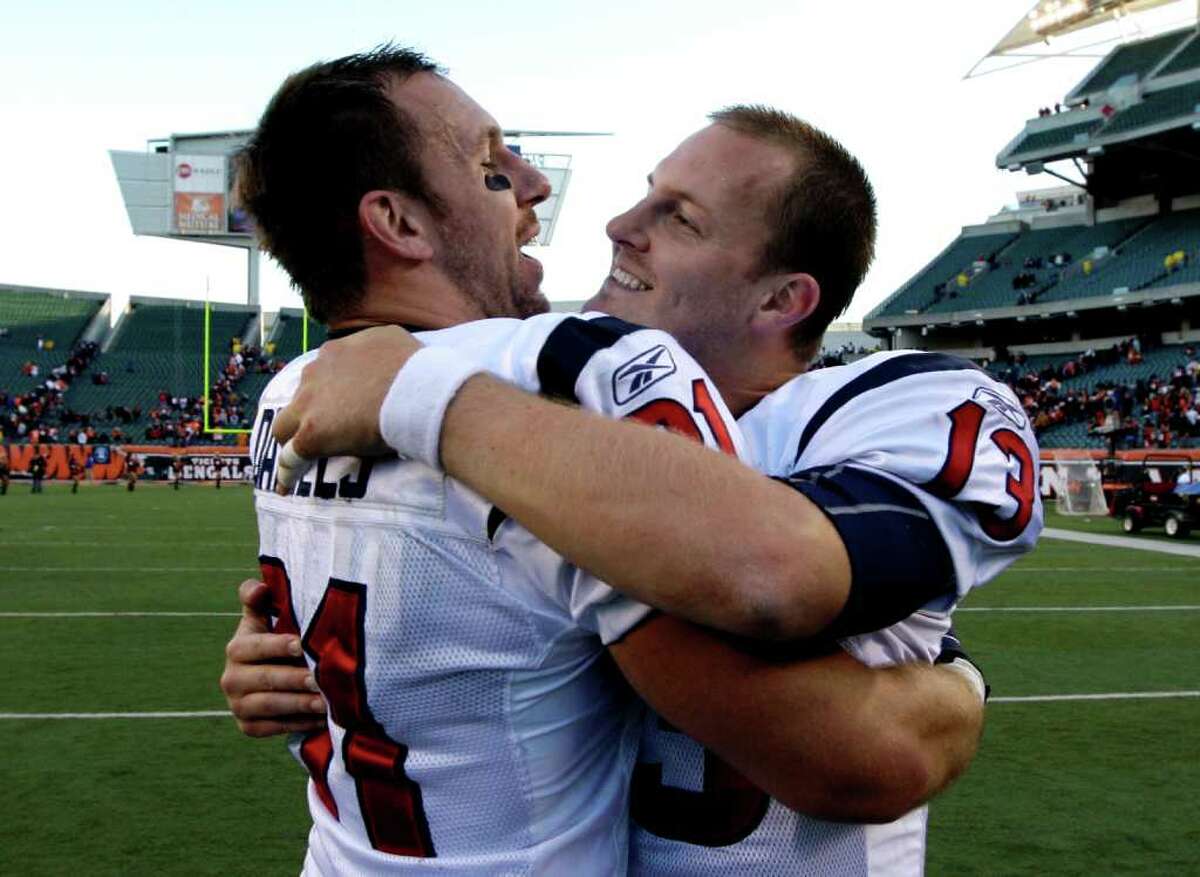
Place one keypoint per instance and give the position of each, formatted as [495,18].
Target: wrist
[410,419]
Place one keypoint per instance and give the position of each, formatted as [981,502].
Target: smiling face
[687,258]
[486,195]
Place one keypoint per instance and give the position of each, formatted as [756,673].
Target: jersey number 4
[390,802]
[966,421]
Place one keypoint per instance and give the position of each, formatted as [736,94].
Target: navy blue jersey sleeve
[899,561]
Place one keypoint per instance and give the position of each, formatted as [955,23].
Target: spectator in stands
[1167,407]
[1174,261]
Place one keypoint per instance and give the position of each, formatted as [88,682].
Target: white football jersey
[887,446]
[475,725]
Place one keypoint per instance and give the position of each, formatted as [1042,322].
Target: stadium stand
[920,292]
[1062,136]
[1132,59]
[158,352]
[1158,107]
[1152,392]
[41,356]
[1138,262]
[27,316]
[1188,58]
[289,333]
[993,271]
[148,385]
[1029,266]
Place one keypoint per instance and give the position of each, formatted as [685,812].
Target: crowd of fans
[1161,411]
[40,414]
[179,420]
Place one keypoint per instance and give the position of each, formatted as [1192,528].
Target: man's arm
[826,736]
[662,519]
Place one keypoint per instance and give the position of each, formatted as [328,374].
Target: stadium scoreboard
[181,187]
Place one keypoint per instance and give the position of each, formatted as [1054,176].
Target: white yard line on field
[119,614]
[1107,569]
[192,714]
[189,543]
[213,714]
[1122,695]
[1074,609]
[188,614]
[1121,542]
[87,569]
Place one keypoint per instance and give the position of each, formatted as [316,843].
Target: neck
[744,379]
[741,393]
[412,299]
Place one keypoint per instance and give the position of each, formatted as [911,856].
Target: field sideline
[114,608]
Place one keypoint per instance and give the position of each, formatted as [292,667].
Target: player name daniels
[337,478]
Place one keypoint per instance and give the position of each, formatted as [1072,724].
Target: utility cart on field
[1172,503]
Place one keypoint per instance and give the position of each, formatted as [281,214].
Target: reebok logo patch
[1006,409]
[641,373]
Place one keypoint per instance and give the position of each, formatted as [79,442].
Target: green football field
[115,607]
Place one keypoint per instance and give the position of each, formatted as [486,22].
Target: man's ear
[790,299]
[397,224]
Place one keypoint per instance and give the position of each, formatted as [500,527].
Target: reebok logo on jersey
[642,372]
[1005,408]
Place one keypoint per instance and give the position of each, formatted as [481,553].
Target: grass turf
[1063,788]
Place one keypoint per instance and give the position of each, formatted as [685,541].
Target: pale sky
[77,79]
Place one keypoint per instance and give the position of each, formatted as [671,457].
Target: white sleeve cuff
[970,672]
[410,420]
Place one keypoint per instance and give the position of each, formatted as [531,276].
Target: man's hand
[269,688]
[336,409]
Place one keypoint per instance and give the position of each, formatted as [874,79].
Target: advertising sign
[199,467]
[199,214]
[200,194]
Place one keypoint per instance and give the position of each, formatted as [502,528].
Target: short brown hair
[329,135]
[823,216]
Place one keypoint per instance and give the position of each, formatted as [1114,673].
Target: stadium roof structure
[1076,28]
